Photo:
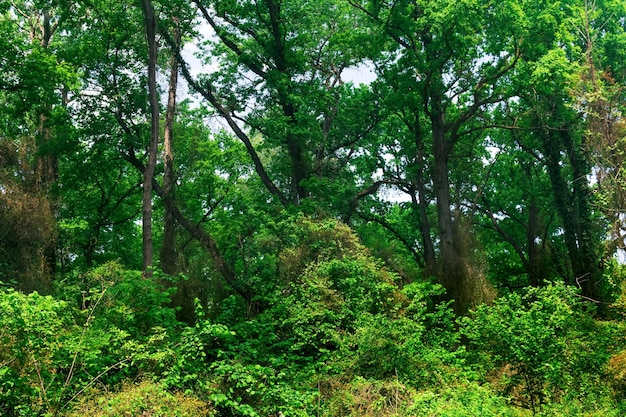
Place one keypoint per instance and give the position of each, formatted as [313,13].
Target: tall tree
[598,94]
[558,134]
[37,85]
[454,57]
[280,79]
[101,199]
[148,175]
[168,247]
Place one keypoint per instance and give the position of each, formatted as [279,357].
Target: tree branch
[207,92]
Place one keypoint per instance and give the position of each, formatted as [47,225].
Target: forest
[324,208]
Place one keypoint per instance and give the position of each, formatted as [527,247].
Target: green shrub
[416,342]
[343,397]
[463,400]
[50,353]
[121,297]
[391,398]
[545,343]
[32,331]
[52,350]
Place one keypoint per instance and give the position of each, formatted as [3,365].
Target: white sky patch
[361,74]
[393,195]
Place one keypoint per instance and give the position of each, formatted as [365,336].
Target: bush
[461,400]
[122,298]
[545,343]
[51,350]
[364,398]
[391,398]
[49,358]
[329,309]
[32,331]
[415,343]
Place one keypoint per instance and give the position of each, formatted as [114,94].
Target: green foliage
[464,399]
[489,145]
[213,362]
[370,398]
[361,397]
[544,343]
[32,334]
[414,341]
[328,297]
[330,310]
[54,350]
[121,298]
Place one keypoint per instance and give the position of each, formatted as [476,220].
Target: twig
[42,395]
[97,377]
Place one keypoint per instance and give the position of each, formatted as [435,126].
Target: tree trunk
[47,165]
[430,259]
[533,265]
[148,175]
[573,207]
[168,248]
[294,140]
[448,256]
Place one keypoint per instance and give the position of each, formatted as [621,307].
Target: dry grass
[146,399]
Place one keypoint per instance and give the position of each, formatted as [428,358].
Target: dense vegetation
[312,208]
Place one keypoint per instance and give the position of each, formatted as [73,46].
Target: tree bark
[448,256]
[573,207]
[430,258]
[148,175]
[47,164]
[168,248]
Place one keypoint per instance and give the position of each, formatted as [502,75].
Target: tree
[168,247]
[554,132]
[100,199]
[598,95]
[281,79]
[36,88]
[518,216]
[454,72]
[148,175]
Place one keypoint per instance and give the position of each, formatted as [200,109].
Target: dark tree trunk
[430,259]
[148,175]
[46,166]
[449,273]
[295,142]
[574,209]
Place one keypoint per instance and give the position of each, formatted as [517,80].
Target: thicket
[330,332]
[312,208]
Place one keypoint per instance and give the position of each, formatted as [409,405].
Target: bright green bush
[122,298]
[329,309]
[52,350]
[329,297]
[545,343]
[416,342]
[33,329]
[391,398]
[463,400]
